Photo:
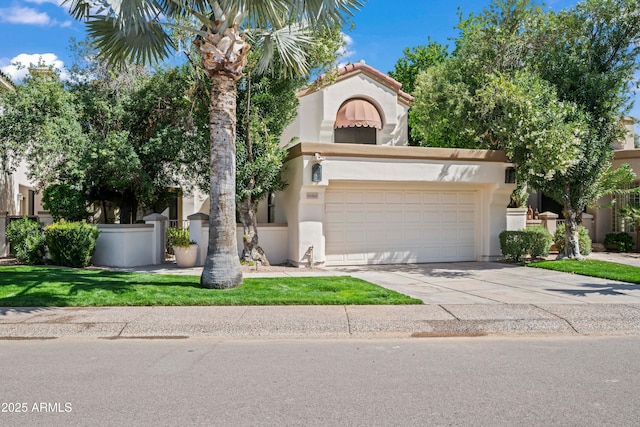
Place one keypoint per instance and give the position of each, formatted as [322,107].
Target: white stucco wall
[125,245]
[317,111]
[11,185]
[304,199]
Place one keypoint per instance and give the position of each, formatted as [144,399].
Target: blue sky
[33,29]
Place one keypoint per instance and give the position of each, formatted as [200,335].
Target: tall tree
[585,57]
[40,123]
[134,30]
[406,70]
[591,54]
[484,97]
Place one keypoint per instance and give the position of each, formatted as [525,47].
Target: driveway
[493,283]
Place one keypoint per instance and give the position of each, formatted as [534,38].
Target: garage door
[372,226]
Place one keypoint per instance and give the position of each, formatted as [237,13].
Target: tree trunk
[251,252]
[572,220]
[222,265]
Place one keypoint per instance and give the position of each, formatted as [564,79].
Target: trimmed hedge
[71,243]
[534,242]
[621,241]
[27,241]
[584,241]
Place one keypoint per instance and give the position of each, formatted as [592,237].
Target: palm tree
[140,31]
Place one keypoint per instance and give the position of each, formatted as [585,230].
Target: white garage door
[372,226]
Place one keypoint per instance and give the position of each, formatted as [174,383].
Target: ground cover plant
[28,286]
[593,268]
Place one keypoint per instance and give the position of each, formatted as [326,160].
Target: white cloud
[24,15]
[18,67]
[347,51]
[56,2]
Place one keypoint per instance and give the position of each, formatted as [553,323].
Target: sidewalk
[461,299]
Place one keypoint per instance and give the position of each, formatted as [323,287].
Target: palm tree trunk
[222,265]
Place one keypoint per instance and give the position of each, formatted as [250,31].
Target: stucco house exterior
[358,194]
[18,194]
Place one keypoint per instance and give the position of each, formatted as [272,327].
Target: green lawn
[594,268]
[26,286]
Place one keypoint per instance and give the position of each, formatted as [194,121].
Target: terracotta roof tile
[360,67]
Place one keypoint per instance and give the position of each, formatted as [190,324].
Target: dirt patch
[274,268]
[8,261]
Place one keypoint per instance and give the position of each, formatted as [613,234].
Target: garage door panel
[371,226]
[374,197]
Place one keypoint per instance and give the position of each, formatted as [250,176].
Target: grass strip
[28,286]
[593,268]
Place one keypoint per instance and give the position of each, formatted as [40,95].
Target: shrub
[64,202]
[179,237]
[514,244]
[622,242]
[539,241]
[71,243]
[533,241]
[27,241]
[583,240]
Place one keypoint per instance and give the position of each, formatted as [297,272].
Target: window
[271,208]
[619,223]
[31,207]
[355,135]
[357,122]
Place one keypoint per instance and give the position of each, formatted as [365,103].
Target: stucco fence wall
[273,239]
[135,245]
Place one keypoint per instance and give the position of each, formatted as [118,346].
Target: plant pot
[186,256]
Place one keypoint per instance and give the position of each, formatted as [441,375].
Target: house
[358,194]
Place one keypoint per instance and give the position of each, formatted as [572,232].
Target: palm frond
[147,44]
[290,44]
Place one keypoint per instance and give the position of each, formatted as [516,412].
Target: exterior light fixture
[316,168]
[316,172]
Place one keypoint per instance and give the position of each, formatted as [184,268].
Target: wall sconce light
[510,176]
[316,172]
[316,168]
[20,197]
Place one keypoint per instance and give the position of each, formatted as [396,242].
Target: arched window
[357,122]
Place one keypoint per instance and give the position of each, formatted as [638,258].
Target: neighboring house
[606,216]
[18,195]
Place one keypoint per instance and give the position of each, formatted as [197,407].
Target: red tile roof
[358,68]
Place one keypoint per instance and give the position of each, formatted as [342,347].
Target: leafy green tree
[137,30]
[406,70]
[40,124]
[483,97]
[591,53]
[65,202]
[585,57]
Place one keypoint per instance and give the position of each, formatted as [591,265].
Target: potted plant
[185,250]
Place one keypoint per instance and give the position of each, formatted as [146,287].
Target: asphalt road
[485,381]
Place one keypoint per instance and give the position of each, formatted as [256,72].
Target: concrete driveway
[493,283]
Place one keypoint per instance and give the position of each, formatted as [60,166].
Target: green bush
[583,240]
[27,241]
[622,242]
[533,241]
[514,244]
[179,237]
[539,241]
[64,202]
[71,243]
